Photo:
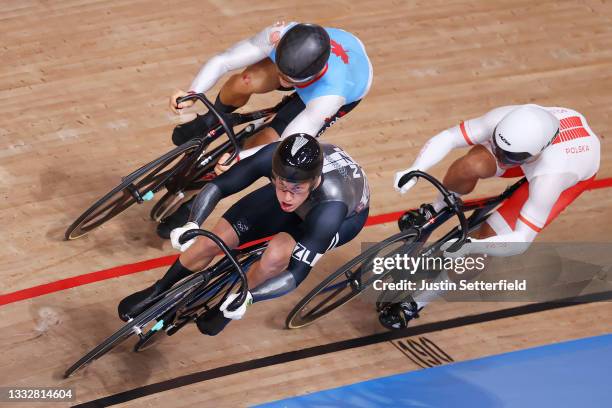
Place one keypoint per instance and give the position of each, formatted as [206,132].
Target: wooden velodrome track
[84,87]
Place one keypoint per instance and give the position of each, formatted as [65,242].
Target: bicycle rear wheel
[348,281]
[172,200]
[139,186]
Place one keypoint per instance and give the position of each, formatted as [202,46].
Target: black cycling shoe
[212,321]
[195,128]
[397,315]
[136,303]
[174,220]
[416,218]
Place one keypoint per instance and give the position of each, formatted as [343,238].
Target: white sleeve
[544,192]
[309,121]
[313,117]
[243,154]
[470,132]
[240,55]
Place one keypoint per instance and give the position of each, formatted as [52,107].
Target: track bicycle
[178,174]
[357,275]
[185,301]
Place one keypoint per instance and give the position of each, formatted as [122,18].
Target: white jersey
[572,157]
[576,150]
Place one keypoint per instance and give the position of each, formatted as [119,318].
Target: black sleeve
[246,171]
[238,177]
[320,235]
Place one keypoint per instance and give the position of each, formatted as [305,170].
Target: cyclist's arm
[321,225]
[309,121]
[468,133]
[544,191]
[238,177]
[313,117]
[240,55]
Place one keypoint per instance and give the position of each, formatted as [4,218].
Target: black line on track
[339,346]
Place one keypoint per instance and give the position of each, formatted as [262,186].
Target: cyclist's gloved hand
[176,233]
[240,311]
[406,186]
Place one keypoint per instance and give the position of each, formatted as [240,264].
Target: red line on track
[129,269]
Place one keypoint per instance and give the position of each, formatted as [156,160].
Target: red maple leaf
[339,51]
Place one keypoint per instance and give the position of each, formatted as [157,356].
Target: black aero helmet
[303,51]
[298,158]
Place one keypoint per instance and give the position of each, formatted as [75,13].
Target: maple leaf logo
[339,51]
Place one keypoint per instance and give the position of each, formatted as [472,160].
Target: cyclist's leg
[196,258]
[503,221]
[201,253]
[261,77]
[256,216]
[258,78]
[279,254]
[461,178]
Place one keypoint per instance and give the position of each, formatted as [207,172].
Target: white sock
[440,203]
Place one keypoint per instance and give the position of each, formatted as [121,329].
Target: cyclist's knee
[277,255]
[481,162]
[203,247]
[476,164]
[275,260]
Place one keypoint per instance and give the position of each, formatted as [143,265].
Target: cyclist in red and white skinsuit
[554,148]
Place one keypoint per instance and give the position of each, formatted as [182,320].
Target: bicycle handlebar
[228,129]
[449,198]
[191,234]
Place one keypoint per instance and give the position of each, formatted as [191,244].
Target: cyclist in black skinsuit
[318,199]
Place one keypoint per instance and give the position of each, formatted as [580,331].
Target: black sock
[176,272]
[221,107]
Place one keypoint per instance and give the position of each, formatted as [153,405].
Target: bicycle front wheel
[349,281]
[139,186]
[135,326]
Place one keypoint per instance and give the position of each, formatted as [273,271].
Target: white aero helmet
[523,133]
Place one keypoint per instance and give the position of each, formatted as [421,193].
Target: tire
[147,180]
[170,300]
[349,281]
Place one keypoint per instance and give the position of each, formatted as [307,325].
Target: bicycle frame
[218,280]
[482,209]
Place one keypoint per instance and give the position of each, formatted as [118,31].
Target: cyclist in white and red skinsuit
[554,148]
